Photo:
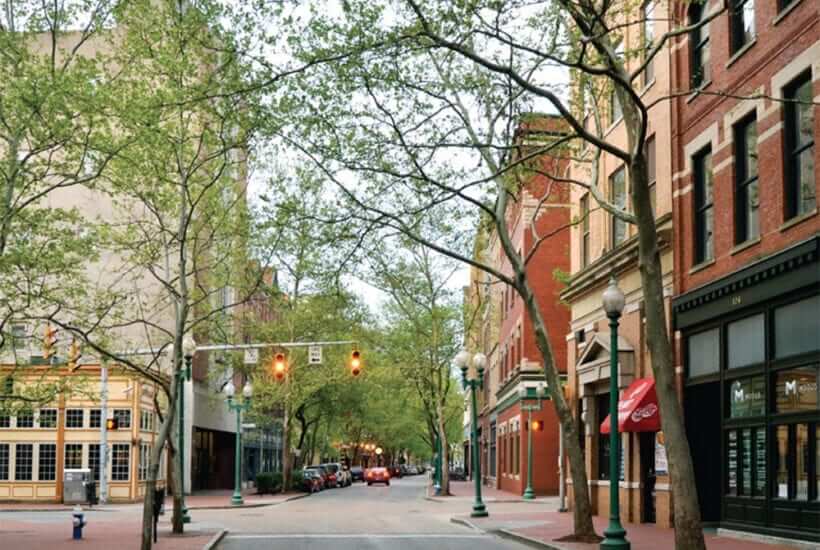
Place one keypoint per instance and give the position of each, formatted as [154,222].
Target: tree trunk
[286,465]
[445,455]
[153,470]
[582,508]
[176,518]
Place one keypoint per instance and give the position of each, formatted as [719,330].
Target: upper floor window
[648,10]
[799,142]
[19,336]
[747,196]
[615,110]
[742,21]
[617,196]
[585,230]
[699,39]
[704,215]
[651,175]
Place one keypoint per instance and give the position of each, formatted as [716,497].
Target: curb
[257,505]
[215,540]
[467,523]
[529,541]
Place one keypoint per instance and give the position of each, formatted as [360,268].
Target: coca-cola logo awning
[637,408]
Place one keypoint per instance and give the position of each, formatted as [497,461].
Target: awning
[637,408]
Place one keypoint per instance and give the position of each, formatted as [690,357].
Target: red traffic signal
[280,366]
[538,425]
[112,424]
[355,363]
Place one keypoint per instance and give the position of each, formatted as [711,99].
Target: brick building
[503,330]
[747,277]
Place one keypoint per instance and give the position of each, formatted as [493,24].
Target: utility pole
[103,432]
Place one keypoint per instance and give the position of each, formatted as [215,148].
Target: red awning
[637,408]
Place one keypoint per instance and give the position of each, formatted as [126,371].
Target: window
[796,327]
[704,353]
[799,141]
[617,196]
[48,418]
[74,418]
[742,21]
[73,456]
[796,390]
[23,461]
[704,216]
[795,472]
[746,462]
[615,110]
[94,418]
[651,172]
[648,37]
[4,461]
[699,40]
[746,341]
[145,460]
[120,462]
[492,468]
[747,197]
[94,460]
[747,397]
[585,230]
[5,421]
[146,421]
[19,336]
[124,416]
[25,420]
[47,468]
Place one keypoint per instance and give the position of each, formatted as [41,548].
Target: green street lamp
[188,350]
[462,361]
[437,467]
[238,407]
[614,535]
[529,494]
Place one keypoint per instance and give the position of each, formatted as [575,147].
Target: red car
[377,475]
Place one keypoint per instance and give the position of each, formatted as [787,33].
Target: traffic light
[280,366]
[74,352]
[49,341]
[537,425]
[355,363]
[112,424]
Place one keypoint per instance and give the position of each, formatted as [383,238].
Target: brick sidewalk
[543,528]
[465,490]
[97,535]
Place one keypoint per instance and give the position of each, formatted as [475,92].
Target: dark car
[395,471]
[457,474]
[357,473]
[312,480]
[377,475]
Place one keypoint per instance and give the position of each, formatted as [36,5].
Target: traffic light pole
[103,432]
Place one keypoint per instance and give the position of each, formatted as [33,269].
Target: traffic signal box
[355,363]
[49,341]
[112,424]
[74,352]
[280,367]
[538,425]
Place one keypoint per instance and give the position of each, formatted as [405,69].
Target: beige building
[601,247]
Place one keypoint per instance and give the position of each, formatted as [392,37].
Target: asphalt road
[352,518]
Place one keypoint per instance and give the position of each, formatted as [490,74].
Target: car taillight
[386,475]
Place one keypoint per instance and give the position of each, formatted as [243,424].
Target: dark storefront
[752,355]
[212,459]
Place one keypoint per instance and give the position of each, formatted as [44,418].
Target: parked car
[312,480]
[395,471]
[329,477]
[457,474]
[412,470]
[377,475]
[357,473]
[403,469]
[342,475]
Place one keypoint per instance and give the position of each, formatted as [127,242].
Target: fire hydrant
[79,522]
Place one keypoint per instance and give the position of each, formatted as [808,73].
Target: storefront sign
[661,466]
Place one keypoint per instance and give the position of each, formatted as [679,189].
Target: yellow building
[39,444]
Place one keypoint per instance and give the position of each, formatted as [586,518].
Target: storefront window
[795,477]
[802,457]
[796,327]
[760,462]
[782,469]
[704,353]
[747,342]
[746,461]
[732,463]
[796,389]
[747,397]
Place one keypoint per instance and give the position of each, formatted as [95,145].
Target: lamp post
[238,407]
[379,456]
[614,535]
[437,467]
[529,494]
[462,361]
[188,350]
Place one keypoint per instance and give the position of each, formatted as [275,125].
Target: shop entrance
[702,416]
[647,446]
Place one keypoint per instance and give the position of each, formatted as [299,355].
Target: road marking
[355,536]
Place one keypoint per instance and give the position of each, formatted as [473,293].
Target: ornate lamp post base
[479,511]
[236,500]
[529,494]
[186,517]
[615,537]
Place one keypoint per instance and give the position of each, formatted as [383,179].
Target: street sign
[315,355]
[251,356]
[248,426]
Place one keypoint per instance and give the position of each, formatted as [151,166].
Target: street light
[379,456]
[529,494]
[239,407]
[614,535]
[462,361]
[188,350]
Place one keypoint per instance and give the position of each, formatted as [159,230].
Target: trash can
[74,482]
